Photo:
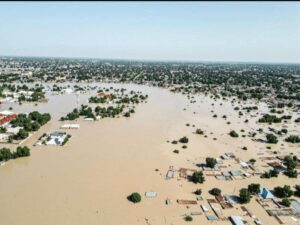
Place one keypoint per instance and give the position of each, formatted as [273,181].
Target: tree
[293,139]
[286,202]
[198,177]
[274,173]
[215,191]
[271,139]
[22,151]
[199,131]
[297,192]
[233,134]
[244,195]
[254,188]
[188,218]
[290,162]
[292,173]
[35,126]
[211,162]
[135,197]
[2,129]
[5,154]
[184,140]
[283,192]
[22,134]
[198,192]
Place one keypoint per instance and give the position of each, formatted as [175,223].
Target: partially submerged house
[266,194]
[56,138]
[236,220]
[296,205]
[150,194]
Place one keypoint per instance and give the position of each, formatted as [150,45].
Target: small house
[265,193]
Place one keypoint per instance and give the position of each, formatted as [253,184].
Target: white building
[56,138]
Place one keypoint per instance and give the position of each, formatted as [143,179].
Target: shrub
[274,173]
[198,192]
[244,195]
[283,192]
[286,202]
[292,173]
[284,130]
[271,139]
[5,154]
[198,177]
[199,131]
[293,139]
[184,140]
[188,218]
[233,134]
[211,162]
[22,134]
[22,151]
[135,197]
[215,191]
[271,173]
[254,188]
[176,151]
[297,191]
[269,119]
[290,162]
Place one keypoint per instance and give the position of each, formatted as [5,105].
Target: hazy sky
[197,31]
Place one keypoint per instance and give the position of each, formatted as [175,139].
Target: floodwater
[87,181]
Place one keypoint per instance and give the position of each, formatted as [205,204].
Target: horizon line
[150,60]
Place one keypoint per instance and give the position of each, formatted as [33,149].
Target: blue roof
[265,193]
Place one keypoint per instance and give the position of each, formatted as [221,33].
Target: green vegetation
[198,191]
[211,162]
[183,140]
[283,192]
[188,218]
[2,129]
[291,163]
[66,139]
[286,202]
[199,131]
[254,188]
[293,139]
[292,173]
[297,191]
[271,139]
[198,177]
[215,191]
[271,173]
[233,134]
[30,123]
[244,195]
[269,119]
[135,197]
[6,154]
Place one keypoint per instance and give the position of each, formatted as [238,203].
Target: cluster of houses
[5,118]
[13,96]
[216,208]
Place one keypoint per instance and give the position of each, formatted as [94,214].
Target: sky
[156,31]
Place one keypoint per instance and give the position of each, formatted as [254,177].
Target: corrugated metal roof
[295,204]
[236,220]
